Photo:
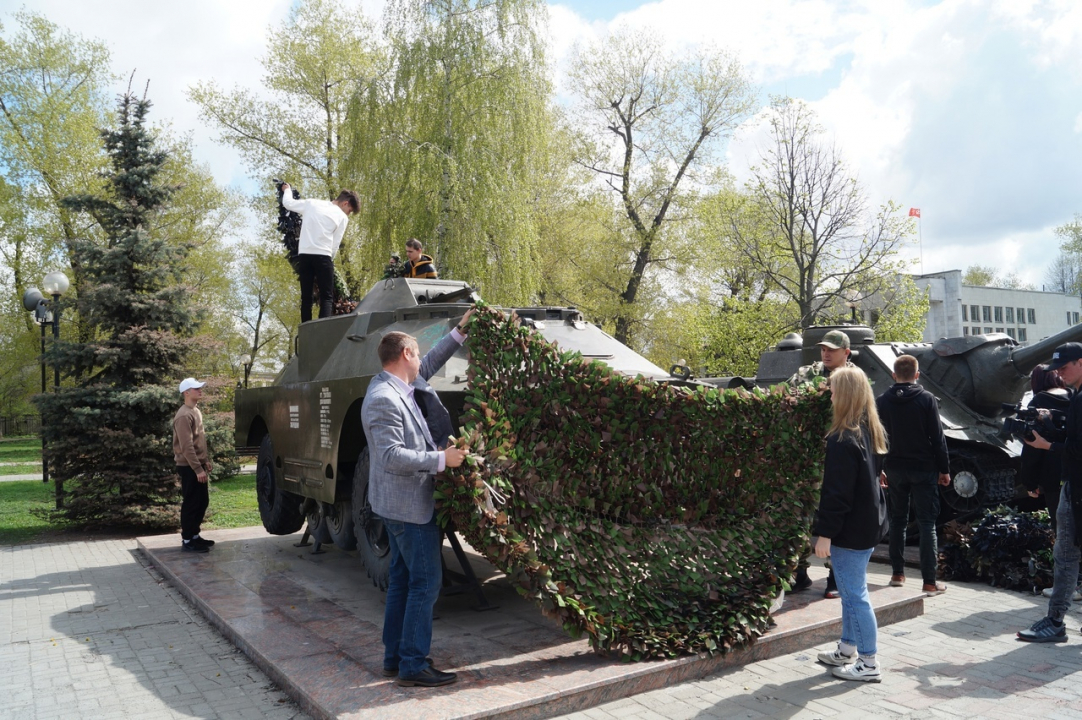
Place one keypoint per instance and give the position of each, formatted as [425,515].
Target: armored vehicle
[306,427]
[972,377]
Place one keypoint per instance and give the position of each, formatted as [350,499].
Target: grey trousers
[1066,555]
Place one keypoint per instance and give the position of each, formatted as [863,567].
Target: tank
[306,428]
[972,376]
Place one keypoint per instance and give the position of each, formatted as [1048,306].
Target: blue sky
[968,109]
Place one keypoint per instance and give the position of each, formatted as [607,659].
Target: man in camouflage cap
[833,353]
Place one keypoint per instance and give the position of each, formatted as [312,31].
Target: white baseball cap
[190,384]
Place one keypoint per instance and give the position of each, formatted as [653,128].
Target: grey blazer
[402,458]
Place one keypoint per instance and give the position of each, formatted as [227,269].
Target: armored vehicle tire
[339,522]
[317,527]
[279,510]
[373,545]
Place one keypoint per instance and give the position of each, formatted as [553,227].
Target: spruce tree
[109,433]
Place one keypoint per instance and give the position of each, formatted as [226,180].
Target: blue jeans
[413,586]
[1066,555]
[858,619]
[921,486]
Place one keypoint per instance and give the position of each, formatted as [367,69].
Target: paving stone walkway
[959,660]
[89,630]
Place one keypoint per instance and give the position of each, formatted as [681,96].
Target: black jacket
[1042,468]
[911,416]
[1070,444]
[851,510]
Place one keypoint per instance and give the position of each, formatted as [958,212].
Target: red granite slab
[313,622]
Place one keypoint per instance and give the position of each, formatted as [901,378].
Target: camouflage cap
[835,340]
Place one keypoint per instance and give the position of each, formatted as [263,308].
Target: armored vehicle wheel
[339,521]
[279,510]
[317,527]
[372,543]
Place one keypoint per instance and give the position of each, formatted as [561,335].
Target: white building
[1026,315]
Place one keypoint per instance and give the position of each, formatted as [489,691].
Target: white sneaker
[858,671]
[1076,596]
[836,657]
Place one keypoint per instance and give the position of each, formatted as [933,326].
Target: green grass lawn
[20,469]
[232,504]
[20,450]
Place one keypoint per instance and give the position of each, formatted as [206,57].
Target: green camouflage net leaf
[658,520]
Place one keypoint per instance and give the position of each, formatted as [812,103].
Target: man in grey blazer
[407,427]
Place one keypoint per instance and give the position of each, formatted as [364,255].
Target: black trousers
[196,498]
[318,269]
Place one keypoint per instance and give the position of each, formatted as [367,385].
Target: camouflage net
[661,521]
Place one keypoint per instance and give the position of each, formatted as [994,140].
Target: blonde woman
[852,512]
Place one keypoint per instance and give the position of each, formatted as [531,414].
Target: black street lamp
[48,313]
[246,361]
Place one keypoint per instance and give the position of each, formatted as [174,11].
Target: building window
[1010,314]
[999,314]
[1075,319]
[1010,331]
[1021,334]
[999,330]
[1068,318]
[1032,315]
[965,313]
[986,313]
[965,328]
[976,331]
[988,331]
[1021,316]
[974,313]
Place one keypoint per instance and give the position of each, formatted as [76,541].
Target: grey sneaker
[858,671]
[1043,631]
[836,657]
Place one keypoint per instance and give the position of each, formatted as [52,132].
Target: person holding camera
[1067,362]
[320,237]
[1041,470]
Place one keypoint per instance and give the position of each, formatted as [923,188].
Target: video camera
[289,223]
[1023,421]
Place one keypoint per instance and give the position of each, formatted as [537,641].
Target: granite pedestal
[312,623]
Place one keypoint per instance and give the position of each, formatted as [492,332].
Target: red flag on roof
[914,212]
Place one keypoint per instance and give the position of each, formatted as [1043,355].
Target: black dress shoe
[392,672]
[191,546]
[203,541]
[429,677]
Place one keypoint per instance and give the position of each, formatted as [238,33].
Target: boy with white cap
[193,466]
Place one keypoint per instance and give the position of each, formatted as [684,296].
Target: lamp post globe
[55,283]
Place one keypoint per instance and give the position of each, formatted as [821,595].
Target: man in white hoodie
[321,233]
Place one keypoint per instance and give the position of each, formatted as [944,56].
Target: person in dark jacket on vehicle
[419,265]
[1067,361]
[916,461]
[852,511]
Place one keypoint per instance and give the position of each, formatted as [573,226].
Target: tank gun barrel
[1027,358]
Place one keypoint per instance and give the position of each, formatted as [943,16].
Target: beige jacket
[189,440]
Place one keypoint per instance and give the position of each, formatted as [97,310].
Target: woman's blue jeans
[413,586]
[858,619]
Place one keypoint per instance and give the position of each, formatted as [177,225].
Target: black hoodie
[910,415]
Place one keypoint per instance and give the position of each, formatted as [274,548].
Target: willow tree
[652,122]
[314,64]
[450,148]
